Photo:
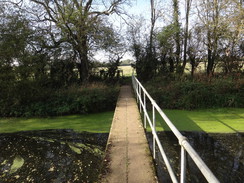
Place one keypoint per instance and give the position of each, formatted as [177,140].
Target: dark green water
[51,156]
[223,154]
[56,156]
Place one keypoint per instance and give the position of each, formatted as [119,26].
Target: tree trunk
[171,65]
[213,40]
[163,69]
[177,26]
[193,65]
[188,5]
[83,67]
[153,20]
[210,63]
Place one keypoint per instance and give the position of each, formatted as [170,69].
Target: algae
[17,164]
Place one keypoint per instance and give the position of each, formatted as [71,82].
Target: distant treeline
[208,32]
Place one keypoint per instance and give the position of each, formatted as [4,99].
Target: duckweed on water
[75,149]
[17,163]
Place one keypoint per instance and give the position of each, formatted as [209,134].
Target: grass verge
[222,120]
[96,123]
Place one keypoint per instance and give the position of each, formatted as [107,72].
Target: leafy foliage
[195,94]
[28,99]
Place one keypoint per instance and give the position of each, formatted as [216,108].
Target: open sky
[143,8]
[136,8]
[140,7]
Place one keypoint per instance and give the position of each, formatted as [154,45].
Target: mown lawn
[97,123]
[223,120]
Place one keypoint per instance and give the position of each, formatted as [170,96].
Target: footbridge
[128,154]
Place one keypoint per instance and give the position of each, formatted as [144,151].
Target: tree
[77,23]
[187,10]
[166,40]
[115,49]
[137,39]
[232,39]
[153,21]
[176,23]
[195,49]
[14,40]
[217,22]
[209,15]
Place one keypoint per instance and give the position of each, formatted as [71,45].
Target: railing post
[137,86]
[133,83]
[145,109]
[140,97]
[183,165]
[154,131]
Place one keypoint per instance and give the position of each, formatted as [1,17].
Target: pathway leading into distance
[130,160]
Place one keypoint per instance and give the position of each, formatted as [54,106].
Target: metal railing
[142,97]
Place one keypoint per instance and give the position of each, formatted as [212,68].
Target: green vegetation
[97,123]
[17,163]
[224,120]
[180,42]
[174,92]
[75,149]
[44,71]
[32,100]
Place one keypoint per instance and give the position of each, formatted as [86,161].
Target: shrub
[28,99]
[190,94]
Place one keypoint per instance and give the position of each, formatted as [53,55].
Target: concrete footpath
[129,158]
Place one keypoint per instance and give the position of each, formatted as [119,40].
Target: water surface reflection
[51,156]
[223,154]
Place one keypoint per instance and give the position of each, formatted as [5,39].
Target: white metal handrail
[141,96]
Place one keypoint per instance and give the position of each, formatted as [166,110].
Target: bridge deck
[128,152]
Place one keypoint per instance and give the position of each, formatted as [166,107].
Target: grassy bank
[222,120]
[96,123]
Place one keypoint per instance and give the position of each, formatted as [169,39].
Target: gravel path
[128,155]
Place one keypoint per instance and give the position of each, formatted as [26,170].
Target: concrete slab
[130,160]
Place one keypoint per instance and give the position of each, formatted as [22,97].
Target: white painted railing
[142,97]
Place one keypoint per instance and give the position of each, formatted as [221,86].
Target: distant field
[127,70]
[223,120]
[97,123]
[199,69]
